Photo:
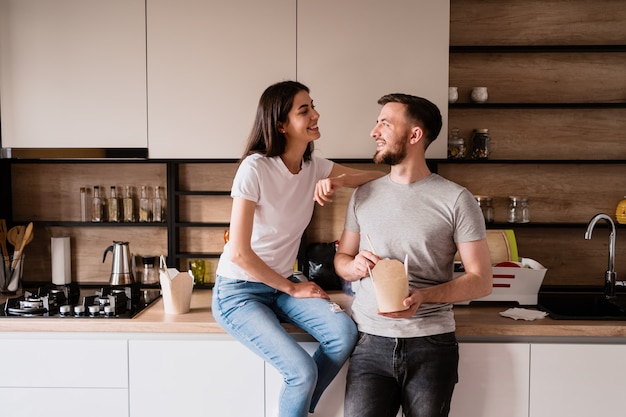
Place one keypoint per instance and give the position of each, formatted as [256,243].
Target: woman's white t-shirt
[284,206]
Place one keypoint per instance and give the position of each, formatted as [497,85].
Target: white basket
[515,284]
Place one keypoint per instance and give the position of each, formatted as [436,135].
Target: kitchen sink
[582,305]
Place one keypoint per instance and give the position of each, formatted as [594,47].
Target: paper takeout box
[176,289]
[391,285]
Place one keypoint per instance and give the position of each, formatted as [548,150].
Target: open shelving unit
[556,115]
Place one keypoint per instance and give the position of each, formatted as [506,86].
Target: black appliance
[80,302]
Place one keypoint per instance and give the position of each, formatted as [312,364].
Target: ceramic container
[453,94]
[479,94]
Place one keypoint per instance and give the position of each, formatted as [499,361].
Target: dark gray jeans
[418,374]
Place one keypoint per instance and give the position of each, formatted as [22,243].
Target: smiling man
[409,358]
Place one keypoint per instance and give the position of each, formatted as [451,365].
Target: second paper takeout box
[176,288]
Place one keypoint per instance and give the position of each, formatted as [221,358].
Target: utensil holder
[11,274]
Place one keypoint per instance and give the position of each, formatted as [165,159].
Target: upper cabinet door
[208,64]
[351,52]
[73,73]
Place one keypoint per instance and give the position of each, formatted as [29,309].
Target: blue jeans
[252,313]
[417,373]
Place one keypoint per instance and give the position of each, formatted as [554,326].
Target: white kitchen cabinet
[493,380]
[208,63]
[64,377]
[331,403]
[351,52]
[577,380]
[73,73]
[194,378]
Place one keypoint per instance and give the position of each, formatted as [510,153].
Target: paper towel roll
[61,260]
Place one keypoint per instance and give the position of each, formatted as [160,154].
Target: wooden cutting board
[502,246]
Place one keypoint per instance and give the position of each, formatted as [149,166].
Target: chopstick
[369,241]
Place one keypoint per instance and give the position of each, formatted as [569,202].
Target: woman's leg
[330,326]
[243,310]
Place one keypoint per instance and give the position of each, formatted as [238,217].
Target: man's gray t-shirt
[423,220]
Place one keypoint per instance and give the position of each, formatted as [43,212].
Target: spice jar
[480,144]
[518,210]
[456,145]
[486,205]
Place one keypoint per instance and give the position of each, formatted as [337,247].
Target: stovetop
[80,302]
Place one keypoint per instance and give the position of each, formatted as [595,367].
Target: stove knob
[94,310]
[64,310]
[109,311]
[79,310]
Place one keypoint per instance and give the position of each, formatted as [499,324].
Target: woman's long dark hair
[274,106]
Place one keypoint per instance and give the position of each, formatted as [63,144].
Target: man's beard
[393,157]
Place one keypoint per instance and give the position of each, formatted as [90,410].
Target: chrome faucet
[610,276]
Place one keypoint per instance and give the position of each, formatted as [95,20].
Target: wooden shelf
[48,223]
[535,48]
[515,106]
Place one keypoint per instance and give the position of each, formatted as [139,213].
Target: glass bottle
[129,205]
[480,144]
[157,205]
[518,210]
[114,206]
[96,205]
[456,145]
[144,205]
[83,204]
[486,205]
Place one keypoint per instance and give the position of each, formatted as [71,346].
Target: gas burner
[28,306]
[72,301]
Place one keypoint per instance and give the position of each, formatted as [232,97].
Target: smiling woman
[278,174]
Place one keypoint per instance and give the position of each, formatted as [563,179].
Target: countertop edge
[473,323]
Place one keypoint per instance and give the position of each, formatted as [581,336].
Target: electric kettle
[121,268]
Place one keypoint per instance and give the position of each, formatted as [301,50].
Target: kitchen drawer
[64,363]
[63,402]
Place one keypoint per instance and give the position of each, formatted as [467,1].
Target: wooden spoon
[16,234]
[25,239]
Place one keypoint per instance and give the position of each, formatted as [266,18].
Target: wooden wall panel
[569,258]
[545,134]
[205,208]
[542,77]
[202,239]
[50,192]
[537,22]
[203,177]
[557,193]
[88,245]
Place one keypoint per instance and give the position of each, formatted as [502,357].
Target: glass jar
[518,210]
[149,273]
[456,145]
[486,205]
[144,206]
[97,208]
[480,144]
[114,209]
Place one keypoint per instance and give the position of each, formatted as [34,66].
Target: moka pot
[121,268]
